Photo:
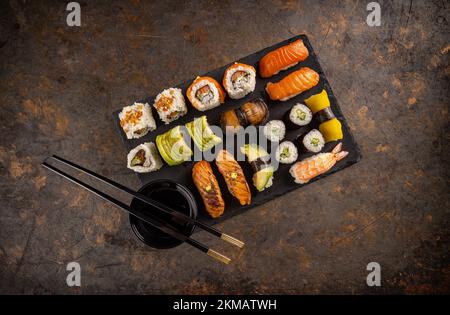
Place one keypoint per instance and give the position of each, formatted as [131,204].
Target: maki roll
[205,93]
[330,126]
[202,135]
[144,158]
[239,79]
[137,120]
[170,105]
[259,161]
[254,112]
[172,147]
[298,116]
[312,141]
[286,153]
[275,130]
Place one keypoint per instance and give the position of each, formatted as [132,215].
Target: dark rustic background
[59,86]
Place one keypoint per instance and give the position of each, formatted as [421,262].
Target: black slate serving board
[283,182]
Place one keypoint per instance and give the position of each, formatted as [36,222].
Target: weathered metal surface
[59,85]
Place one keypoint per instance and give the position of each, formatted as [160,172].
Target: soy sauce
[173,195]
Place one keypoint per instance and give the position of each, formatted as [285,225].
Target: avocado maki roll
[259,161]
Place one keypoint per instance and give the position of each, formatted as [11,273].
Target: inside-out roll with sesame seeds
[137,120]
[170,105]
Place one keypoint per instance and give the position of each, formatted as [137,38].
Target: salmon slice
[209,189]
[282,58]
[234,177]
[293,84]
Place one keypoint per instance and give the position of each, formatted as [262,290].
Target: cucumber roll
[275,130]
[312,141]
[298,116]
[286,152]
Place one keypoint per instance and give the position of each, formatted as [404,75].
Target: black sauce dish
[172,194]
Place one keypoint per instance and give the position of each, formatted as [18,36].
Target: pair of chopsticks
[144,216]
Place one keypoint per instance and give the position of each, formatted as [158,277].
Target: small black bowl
[172,194]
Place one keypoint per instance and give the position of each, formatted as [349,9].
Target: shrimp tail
[340,155]
[337,148]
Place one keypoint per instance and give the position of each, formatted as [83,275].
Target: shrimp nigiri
[209,189]
[315,165]
[293,84]
[282,58]
[234,177]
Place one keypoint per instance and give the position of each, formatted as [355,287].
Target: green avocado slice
[253,152]
[263,178]
[160,144]
[199,130]
[172,147]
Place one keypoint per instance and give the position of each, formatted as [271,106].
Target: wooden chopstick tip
[232,240]
[218,256]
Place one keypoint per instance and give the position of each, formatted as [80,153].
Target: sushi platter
[281,89]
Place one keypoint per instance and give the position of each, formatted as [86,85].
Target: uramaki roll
[239,80]
[205,93]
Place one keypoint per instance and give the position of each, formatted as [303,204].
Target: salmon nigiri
[234,177]
[209,189]
[293,84]
[282,58]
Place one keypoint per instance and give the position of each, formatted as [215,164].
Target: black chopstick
[154,203]
[142,215]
